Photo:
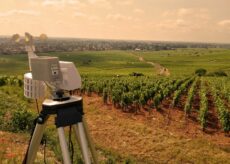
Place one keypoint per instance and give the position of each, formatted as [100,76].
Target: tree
[200,72]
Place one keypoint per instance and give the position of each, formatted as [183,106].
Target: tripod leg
[35,142]
[64,147]
[91,145]
[79,130]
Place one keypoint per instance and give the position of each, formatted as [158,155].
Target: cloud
[224,23]
[124,2]
[58,3]
[19,12]
[94,18]
[138,11]
[178,12]
[198,13]
[105,4]
[173,24]
[97,1]
[181,23]
[184,12]
[60,22]
[118,17]
[184,20]
[52,2]
[79,14]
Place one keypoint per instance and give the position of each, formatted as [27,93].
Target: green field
[185,61]
[179,62]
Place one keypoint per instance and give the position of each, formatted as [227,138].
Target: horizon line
[127,40]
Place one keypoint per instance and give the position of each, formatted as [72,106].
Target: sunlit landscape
[155,78]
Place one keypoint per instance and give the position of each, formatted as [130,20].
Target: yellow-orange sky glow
[167,20]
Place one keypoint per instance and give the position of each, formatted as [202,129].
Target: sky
[157,20]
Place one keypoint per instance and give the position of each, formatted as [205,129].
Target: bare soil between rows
[164,136]
[150,136]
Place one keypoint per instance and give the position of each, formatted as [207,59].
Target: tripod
[68,111]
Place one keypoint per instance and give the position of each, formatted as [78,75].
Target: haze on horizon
[166,20]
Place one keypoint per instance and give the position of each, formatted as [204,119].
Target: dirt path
[159,68]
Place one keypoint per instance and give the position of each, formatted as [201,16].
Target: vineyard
[131,95]
[140,94]
[144,94]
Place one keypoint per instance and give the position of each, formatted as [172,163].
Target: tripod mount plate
[67,112]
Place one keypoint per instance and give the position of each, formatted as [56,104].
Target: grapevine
[203,111]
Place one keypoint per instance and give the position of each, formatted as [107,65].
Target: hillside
[181,118]
[136,138]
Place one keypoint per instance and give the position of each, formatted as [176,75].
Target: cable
[71,148]
[71,143]
[36,101]
[70,138]
[44,151]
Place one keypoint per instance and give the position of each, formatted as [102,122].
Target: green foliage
[218,94]
[22,120]
[129,161]
[11,80]
[223,113]
[105,95]
[136,74]
[200,72]
[2,81]
[131,92]
[217,74]
[203,111]
[14,113]
[180,90]
[188,104]
[157,100]
[111,160]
